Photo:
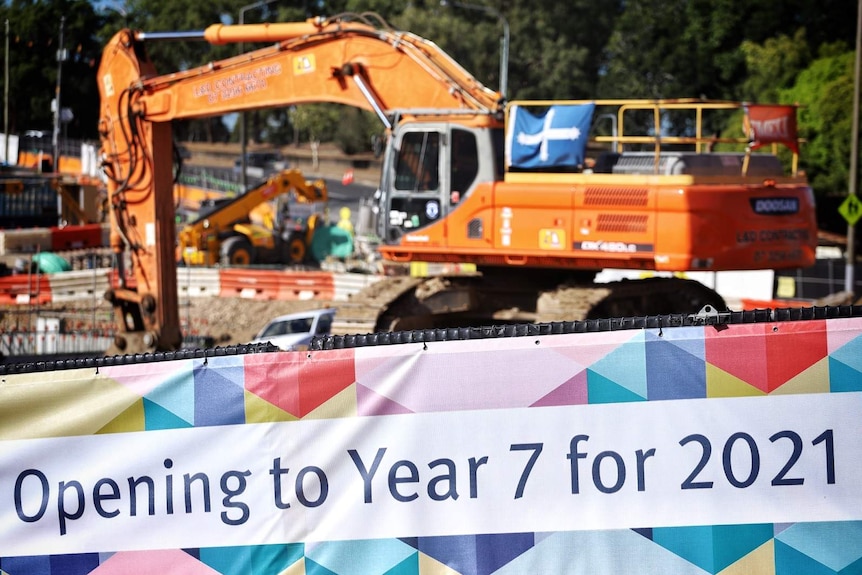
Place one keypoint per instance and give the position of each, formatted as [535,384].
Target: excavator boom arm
[314,62]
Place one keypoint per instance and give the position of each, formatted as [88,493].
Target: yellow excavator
[228,235]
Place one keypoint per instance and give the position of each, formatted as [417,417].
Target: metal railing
[26,343]
[216,179]
[825,278]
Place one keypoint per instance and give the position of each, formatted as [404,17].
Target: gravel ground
[236,320]
[227,320]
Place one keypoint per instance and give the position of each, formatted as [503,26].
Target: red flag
[767,124]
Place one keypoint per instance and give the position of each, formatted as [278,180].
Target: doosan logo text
[776,206]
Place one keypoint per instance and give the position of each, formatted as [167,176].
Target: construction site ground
[224,321]
[236,320]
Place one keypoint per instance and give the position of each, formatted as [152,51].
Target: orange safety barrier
[749,304]
[276,285]
[70,165]
[25,289]
[306,286]
[39,160]
[236,282]
[251,284]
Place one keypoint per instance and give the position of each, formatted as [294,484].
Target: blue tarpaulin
[556,138]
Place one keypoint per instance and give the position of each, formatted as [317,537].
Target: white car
[295,331]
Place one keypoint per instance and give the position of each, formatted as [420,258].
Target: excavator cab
[429,170]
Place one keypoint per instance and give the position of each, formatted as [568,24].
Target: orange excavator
[538,195]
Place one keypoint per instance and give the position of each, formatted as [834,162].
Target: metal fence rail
[217,179]
[21,343]
[826,277]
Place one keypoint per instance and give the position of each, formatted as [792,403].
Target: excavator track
[360,314]
[408,303]
[627,298]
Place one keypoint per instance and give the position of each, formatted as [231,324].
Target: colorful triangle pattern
[650,365]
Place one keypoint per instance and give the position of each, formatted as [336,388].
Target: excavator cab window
[464,164]
[498,141]
[417,164]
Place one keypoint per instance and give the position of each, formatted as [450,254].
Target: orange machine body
[641,201]
[677,223]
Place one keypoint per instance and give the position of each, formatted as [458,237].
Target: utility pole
[6,97]
[504,41]
[854,156]
[61,55]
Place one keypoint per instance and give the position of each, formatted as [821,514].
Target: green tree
[555,49]
[180,16]
[34,35]
[825,90]
[316,122]
[826,21]
[356,129]
[558,48]
[471,38]
[693,48]
[773,65]
[185,16]
[731,49]
[673,49]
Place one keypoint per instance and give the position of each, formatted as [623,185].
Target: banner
[554,138]
[767,124]
[676,451]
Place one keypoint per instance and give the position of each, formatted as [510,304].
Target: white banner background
[395,504]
